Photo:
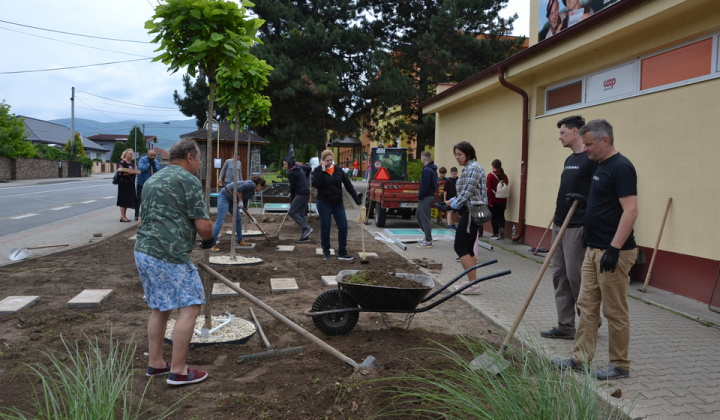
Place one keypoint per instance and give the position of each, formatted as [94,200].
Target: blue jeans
[223,207]
[327,211]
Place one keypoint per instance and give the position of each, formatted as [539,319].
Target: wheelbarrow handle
[458,277]
[460,290]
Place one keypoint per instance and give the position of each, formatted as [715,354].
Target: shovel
[494,362]
[17,254]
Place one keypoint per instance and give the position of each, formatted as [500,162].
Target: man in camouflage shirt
[172,214]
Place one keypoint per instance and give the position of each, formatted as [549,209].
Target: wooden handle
[48,246]
[657,244]
[543,236]
[544,267]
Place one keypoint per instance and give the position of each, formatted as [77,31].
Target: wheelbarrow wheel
[335,324]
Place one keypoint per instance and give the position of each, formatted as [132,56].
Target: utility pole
[72,117]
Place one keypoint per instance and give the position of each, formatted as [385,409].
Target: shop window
[684,63]
[564,95]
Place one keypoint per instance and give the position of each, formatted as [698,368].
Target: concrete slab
[329,281]
[221,289]
[319,251]
[283,285]
[246,247]
[90,298]
[12,304]
[285,248]
[245,233]
[368,255]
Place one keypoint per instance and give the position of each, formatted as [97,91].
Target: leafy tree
[195,102]
[75,148]
[12,135]
[317,49]
[204,36]
[427,42]
[136,141]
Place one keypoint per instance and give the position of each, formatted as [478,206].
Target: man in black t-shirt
[609,219]
[570,252]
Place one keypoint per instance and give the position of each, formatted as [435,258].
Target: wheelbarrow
[336,312]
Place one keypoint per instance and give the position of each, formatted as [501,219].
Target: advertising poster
[558,15]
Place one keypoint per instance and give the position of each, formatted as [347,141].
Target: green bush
[414,170]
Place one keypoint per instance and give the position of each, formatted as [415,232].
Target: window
[564,95]
[684,63]
[688,63]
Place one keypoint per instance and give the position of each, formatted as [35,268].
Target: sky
[31,43]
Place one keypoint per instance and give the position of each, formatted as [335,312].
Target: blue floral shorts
[169,286]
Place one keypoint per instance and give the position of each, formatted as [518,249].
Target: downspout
[523,155]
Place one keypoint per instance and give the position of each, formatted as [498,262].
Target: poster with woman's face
[558,15]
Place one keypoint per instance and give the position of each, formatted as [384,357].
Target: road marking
[61,208]
[88,202]
[110,196]
[23,216]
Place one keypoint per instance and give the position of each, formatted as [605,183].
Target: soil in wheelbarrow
[310,385]
[382,278]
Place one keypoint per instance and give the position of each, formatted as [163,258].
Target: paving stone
[90,298]
[368,255]
[12,304]
[221,289]
[283,285]
[319,251]
[329,281]
[286,248]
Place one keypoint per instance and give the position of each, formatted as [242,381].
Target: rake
[270,353]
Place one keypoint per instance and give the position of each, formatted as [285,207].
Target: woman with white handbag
[498,190]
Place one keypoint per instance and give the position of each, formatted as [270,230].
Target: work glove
[207,243]
[442,206]
[358,200]
[454,204]
[570,197]
[609,260]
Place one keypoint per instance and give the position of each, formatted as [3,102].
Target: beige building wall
[670,135]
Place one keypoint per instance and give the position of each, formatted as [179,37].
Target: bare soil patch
[310,385]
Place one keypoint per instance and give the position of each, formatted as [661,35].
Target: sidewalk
[76,231]
[675,370]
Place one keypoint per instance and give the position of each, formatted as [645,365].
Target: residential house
[109,140]
[52,134]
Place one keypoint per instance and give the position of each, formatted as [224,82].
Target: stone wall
[23,168]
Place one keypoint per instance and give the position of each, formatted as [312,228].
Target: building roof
[345,141]
[119,137]
[45,132]
[162,153]
[226,134]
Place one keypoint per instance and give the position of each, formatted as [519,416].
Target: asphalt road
[26,207]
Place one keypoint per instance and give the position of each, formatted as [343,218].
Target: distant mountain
[167,134]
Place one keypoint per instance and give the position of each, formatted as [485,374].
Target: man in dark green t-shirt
[172,214]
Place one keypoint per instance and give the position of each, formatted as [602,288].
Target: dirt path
[311,385]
